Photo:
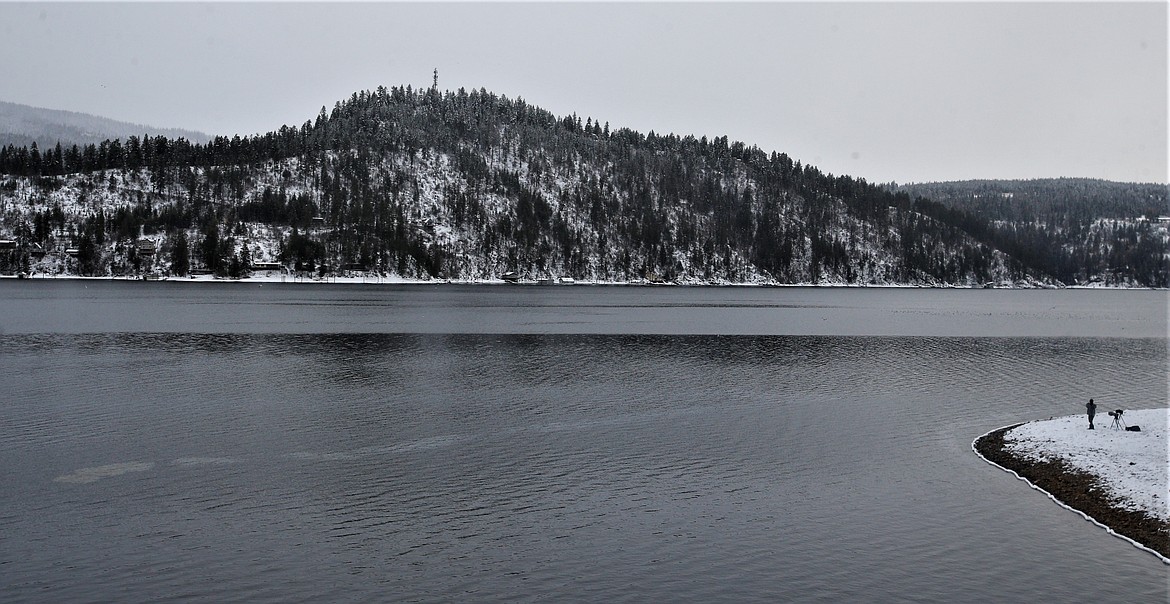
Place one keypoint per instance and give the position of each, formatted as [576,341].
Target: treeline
[156,153]
[1058,201]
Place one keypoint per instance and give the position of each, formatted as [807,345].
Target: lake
[310,442]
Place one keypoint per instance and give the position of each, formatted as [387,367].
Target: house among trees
[146,247]
[267,266]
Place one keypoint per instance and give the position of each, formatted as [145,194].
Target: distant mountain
[470,186]
[21,125]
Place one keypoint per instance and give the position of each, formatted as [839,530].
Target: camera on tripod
[1117,421]
[1116,414]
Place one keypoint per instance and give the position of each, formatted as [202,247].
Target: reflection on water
[83,475]
[278,467]
[50,306]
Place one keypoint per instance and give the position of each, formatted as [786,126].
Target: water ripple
[570,468]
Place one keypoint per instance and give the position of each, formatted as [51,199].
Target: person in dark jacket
[1092,409]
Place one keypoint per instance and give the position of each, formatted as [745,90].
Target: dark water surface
[323,443]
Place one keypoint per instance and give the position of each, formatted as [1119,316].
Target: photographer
[1091,407]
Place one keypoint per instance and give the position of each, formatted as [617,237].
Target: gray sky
[906,91]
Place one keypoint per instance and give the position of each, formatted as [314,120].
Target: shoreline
[395,280]
[1078,491]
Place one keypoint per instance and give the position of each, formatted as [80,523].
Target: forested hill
[1053,200]
[1067,227]
[471,185]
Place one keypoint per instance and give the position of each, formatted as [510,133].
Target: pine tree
[180,254]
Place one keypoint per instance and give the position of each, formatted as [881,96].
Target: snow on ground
[1132,466]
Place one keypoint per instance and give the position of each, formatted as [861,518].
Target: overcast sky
[907,91]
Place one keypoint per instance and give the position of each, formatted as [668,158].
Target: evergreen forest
[470,185]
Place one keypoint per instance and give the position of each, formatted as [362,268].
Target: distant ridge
[1047,198]
[21,125]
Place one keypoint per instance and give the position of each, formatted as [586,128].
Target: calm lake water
[239,442]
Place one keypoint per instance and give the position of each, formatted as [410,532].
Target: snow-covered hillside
[423,185]
[54,213]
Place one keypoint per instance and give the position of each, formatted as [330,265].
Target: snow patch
[1131,466]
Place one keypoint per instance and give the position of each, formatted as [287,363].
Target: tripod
[1117,421]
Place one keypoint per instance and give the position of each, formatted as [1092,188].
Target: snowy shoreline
[396,280]
[1114,477]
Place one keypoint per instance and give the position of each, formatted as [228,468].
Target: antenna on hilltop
[435,82]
